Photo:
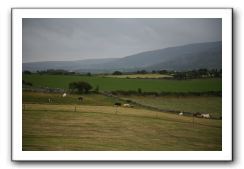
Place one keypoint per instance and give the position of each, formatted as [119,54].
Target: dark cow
[117,104]
[197,114]
[80,98]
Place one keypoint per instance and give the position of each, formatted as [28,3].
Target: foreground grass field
[60,127]
[95,124]
[111,84]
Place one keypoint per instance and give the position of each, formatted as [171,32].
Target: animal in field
[117,104]
[197,114]
[127,105]
[207,116]
[49,100]
[181,114]
[64,95]
[80,98]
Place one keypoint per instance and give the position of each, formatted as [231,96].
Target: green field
[204,104]
[95,124]
[111,84]
[89,99]
[143,76]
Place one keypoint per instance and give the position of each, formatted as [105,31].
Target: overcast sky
[75,39]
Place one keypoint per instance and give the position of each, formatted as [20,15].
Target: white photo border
[16,51]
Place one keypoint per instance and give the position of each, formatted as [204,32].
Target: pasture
[96,124]
[56,98]
[112,84]
[206,104]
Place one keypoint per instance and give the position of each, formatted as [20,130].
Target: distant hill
[187,57]
[66,65]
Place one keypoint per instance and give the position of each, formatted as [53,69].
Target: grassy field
[95,124]
[89,99]
[59,127]
[111,84]
[143,76]
[204,104]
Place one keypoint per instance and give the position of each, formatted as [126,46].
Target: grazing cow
[64,94]
[207,116]
[181,114]
[80,98]
[117,104]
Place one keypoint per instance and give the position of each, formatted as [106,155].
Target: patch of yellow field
[123,111]
[144,76]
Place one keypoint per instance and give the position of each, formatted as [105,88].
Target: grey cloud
[75,39]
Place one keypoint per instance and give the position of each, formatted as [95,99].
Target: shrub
[117,73]
[81,86]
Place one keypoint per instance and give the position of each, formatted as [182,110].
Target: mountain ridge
[185,57]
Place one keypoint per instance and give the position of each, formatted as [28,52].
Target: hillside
[187,57]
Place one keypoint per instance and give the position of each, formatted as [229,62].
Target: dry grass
[60,127]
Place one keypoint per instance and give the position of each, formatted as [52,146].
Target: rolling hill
[187,57]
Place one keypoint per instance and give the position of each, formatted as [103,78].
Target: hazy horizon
[110,57]
[81,39]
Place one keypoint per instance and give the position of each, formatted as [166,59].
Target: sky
[64,39]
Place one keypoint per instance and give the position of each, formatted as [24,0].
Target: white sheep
[207,116]
[64,95]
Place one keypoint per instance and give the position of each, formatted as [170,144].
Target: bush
[128,101]
[97,89]
[81,87]
[26,83]
[139,90]
[26,72]
[117,73]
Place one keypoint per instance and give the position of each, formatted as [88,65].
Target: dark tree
[25,83]
[27,72]
[139,90]
[81,87]
[162,71]
[141,72]
[97,89]
[117,73]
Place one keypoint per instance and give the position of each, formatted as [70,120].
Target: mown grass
[203,104]
[112,84]
[59,127]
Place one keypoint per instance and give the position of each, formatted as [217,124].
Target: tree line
[180,75]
